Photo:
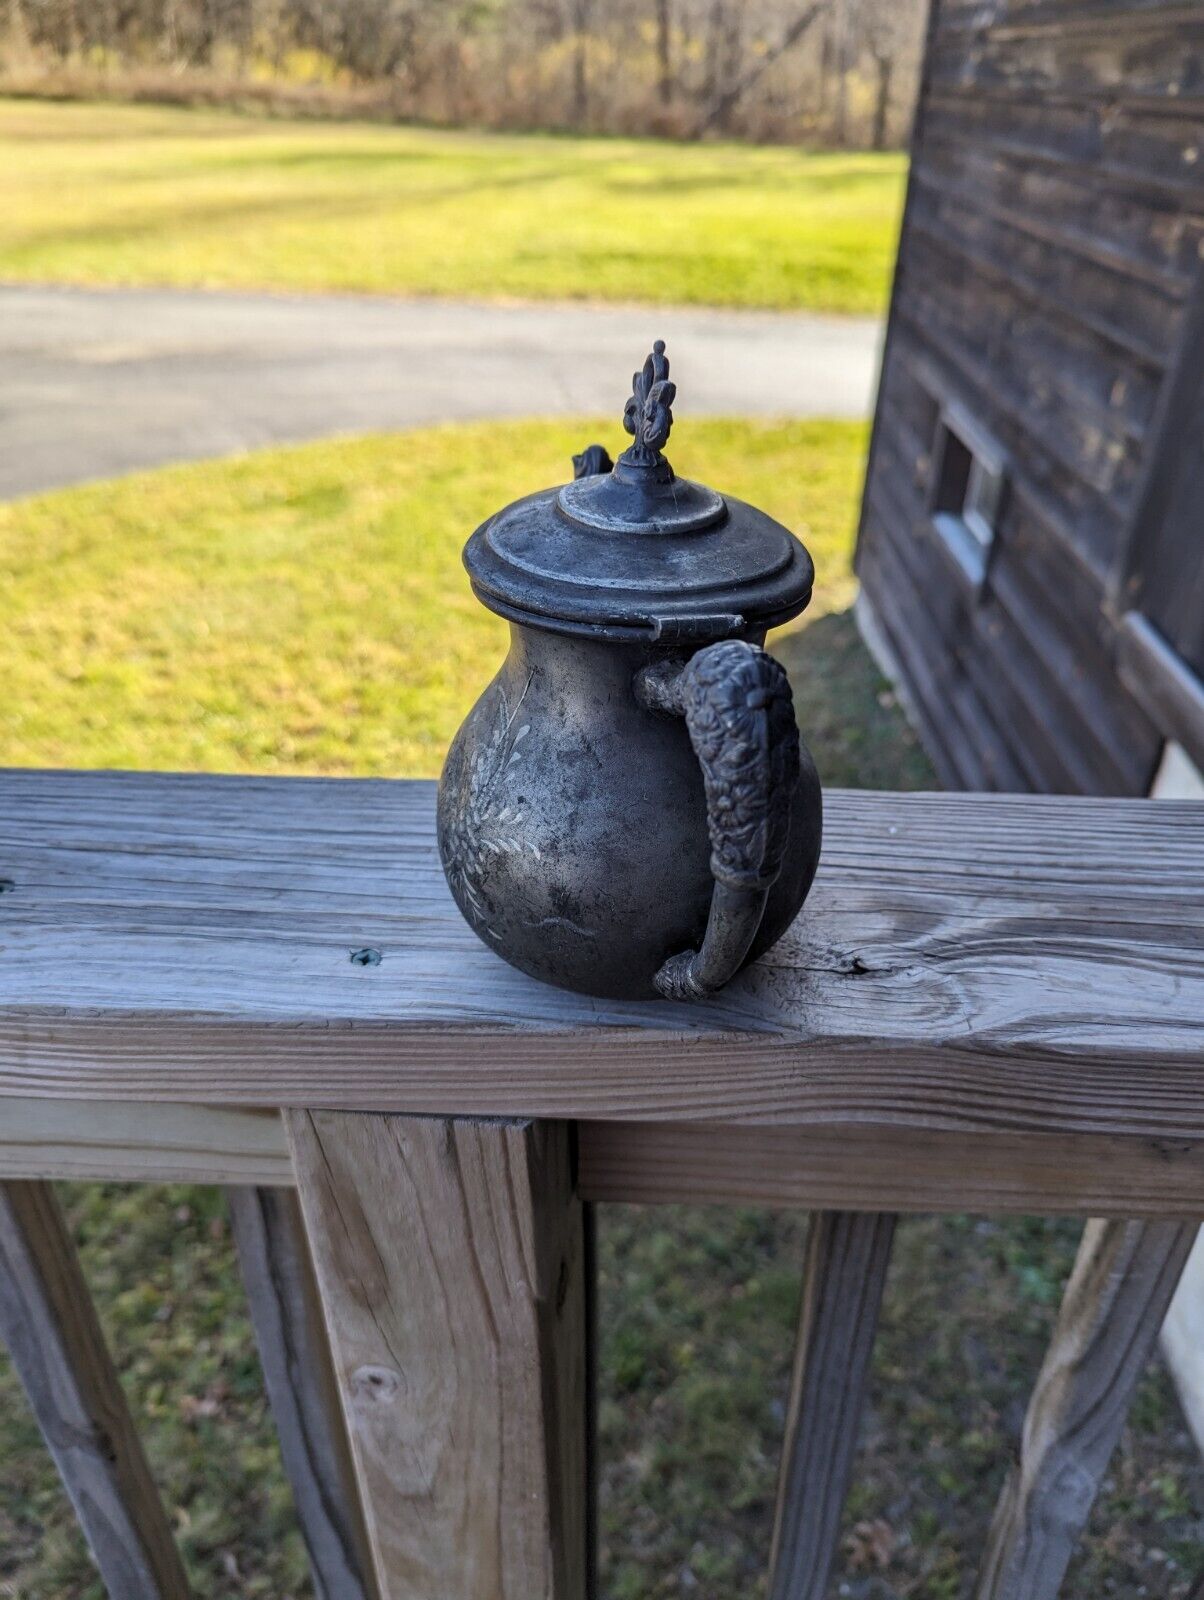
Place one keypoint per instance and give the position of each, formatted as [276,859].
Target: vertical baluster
[295,1355]
[848,1254]
[50,1326]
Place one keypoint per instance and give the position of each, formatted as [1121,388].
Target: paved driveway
[99,382]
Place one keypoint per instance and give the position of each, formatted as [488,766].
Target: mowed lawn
[305,610]
[114,194]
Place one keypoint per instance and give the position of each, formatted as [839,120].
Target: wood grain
[981,965]
[450,1258]
[1115,1301]
[1183,1340]
[854,1167]
[847,1260]
[294,1352]
[1161,680]
[862,1167]
[142,1142]
[49,1324]
[1161,574]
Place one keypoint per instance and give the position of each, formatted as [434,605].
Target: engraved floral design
[480,828]
[648,415]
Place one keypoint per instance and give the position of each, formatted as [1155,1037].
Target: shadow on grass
[221,211]
[847,711]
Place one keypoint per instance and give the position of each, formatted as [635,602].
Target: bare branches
[794,71]
[719,109]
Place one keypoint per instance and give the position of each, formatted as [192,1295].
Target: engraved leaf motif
[483,828]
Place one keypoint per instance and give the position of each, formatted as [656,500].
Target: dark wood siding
[1164,576]
[1053,235]
[1161,655]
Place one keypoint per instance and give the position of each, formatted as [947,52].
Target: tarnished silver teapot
[628,809]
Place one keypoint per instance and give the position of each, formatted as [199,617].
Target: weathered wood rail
[990,1003]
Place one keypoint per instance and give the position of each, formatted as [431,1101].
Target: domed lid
[635,552]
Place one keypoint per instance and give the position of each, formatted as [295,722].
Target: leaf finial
[648,415]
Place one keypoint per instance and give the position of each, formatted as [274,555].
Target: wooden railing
[989,1004]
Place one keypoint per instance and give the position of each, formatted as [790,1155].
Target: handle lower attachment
[739,713]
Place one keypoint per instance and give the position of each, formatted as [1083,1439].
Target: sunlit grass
[305,609]
[113,194]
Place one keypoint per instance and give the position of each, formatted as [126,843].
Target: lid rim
[537,566]
[667,630]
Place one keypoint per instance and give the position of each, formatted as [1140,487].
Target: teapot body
[573,819]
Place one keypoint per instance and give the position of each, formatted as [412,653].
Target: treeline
[834,72]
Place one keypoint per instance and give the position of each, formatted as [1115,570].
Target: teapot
[628,809]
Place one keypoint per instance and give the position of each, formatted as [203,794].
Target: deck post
[450,1258]
[848,1254]
[1115,1301]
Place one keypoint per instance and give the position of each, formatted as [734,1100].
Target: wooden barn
[1031,550]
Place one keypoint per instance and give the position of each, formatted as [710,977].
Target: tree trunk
[840,129]
[886,68]
[733,54]
[710,84]
[581,65]
[724,50]
[826,60]
[722,102]
[663,50]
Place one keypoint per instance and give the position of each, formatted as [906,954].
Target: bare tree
[840,50]
[725,55]
[885,31]
[765,69]
[718,113]
[582,13]
[664,50]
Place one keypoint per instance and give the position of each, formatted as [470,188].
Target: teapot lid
[635,552]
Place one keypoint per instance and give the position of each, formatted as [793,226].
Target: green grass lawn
[113,194]
[305,610]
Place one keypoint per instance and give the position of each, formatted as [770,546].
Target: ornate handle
[739,713]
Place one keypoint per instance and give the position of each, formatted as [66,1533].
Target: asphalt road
[94,383]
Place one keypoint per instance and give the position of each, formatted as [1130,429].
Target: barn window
[967,489]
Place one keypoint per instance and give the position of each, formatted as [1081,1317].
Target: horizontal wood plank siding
[1161,574]
[1053,236]
[1016,658]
